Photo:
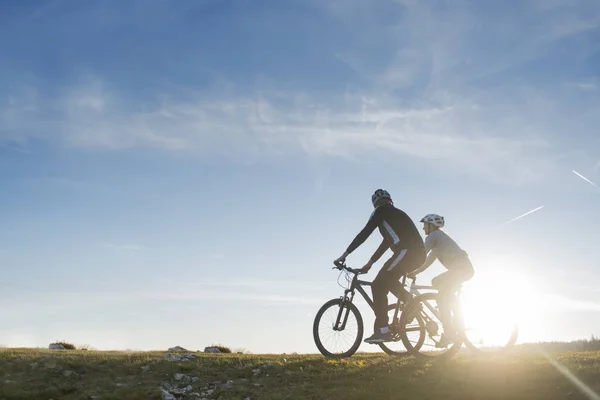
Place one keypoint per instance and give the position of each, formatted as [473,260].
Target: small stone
[209,392]
[268,365]
[257,384]
[68,374]
[179,357]
[166,395]
[181,377]
[211,349]
[228,385]
[256,371]
[177,348]
[145,368]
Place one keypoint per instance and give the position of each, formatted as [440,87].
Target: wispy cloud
[585,179]
[562,302]
[588,86]
[521,216]
[446,120]
[451,131]
[69,300]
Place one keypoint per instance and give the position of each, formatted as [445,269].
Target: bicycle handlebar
[342,265]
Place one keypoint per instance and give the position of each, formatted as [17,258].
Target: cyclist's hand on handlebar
[411,276]
[366,267]
[339,262]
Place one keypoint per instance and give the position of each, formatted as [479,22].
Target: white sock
[385,329]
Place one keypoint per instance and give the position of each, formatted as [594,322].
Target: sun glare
[494,303]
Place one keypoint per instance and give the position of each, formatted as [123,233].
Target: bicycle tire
[357,342]
[508,346]
[404,320]
[394,353]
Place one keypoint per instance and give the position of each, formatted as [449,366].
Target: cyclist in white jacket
[439,245]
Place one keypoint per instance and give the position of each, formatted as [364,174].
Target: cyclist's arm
[430,259]
[429,243]
[365,233]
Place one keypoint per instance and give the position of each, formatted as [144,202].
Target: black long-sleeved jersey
[396,227]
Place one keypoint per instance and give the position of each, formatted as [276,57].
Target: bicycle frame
[357,285]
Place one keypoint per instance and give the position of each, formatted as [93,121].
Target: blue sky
[183,173]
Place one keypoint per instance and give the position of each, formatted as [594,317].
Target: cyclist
[439,245]
[401,236]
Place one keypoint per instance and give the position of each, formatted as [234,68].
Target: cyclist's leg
[445,283]
[398,290]
[388,279]
[380,288]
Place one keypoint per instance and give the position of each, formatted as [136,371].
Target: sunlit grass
[37,373]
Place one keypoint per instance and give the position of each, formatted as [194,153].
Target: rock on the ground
[71,374]
[211,349]
[182,377]
[166,395]
[56,346]
[177,348]
[180,357]
[228,385]
[256,371]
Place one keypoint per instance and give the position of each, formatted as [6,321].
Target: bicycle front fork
[344,311]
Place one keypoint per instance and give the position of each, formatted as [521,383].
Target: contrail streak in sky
[585,179]
[521,216]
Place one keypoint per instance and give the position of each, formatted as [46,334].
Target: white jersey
[440,246]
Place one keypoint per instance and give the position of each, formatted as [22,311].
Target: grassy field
[52,374]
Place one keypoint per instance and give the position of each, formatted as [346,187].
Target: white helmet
[378,195]
[434,219]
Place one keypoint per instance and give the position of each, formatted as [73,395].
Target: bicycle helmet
[434,219]
[378,196]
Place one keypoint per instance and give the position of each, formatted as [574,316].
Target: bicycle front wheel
[338,329]
[423,310]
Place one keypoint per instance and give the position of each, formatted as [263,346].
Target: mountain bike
[425,306]
[338,326]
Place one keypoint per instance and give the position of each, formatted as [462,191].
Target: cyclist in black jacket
[401,236]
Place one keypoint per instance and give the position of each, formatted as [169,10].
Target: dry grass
[47,374]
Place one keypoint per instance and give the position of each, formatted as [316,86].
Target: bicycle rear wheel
[486,329]
[423,310]
[338,343]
